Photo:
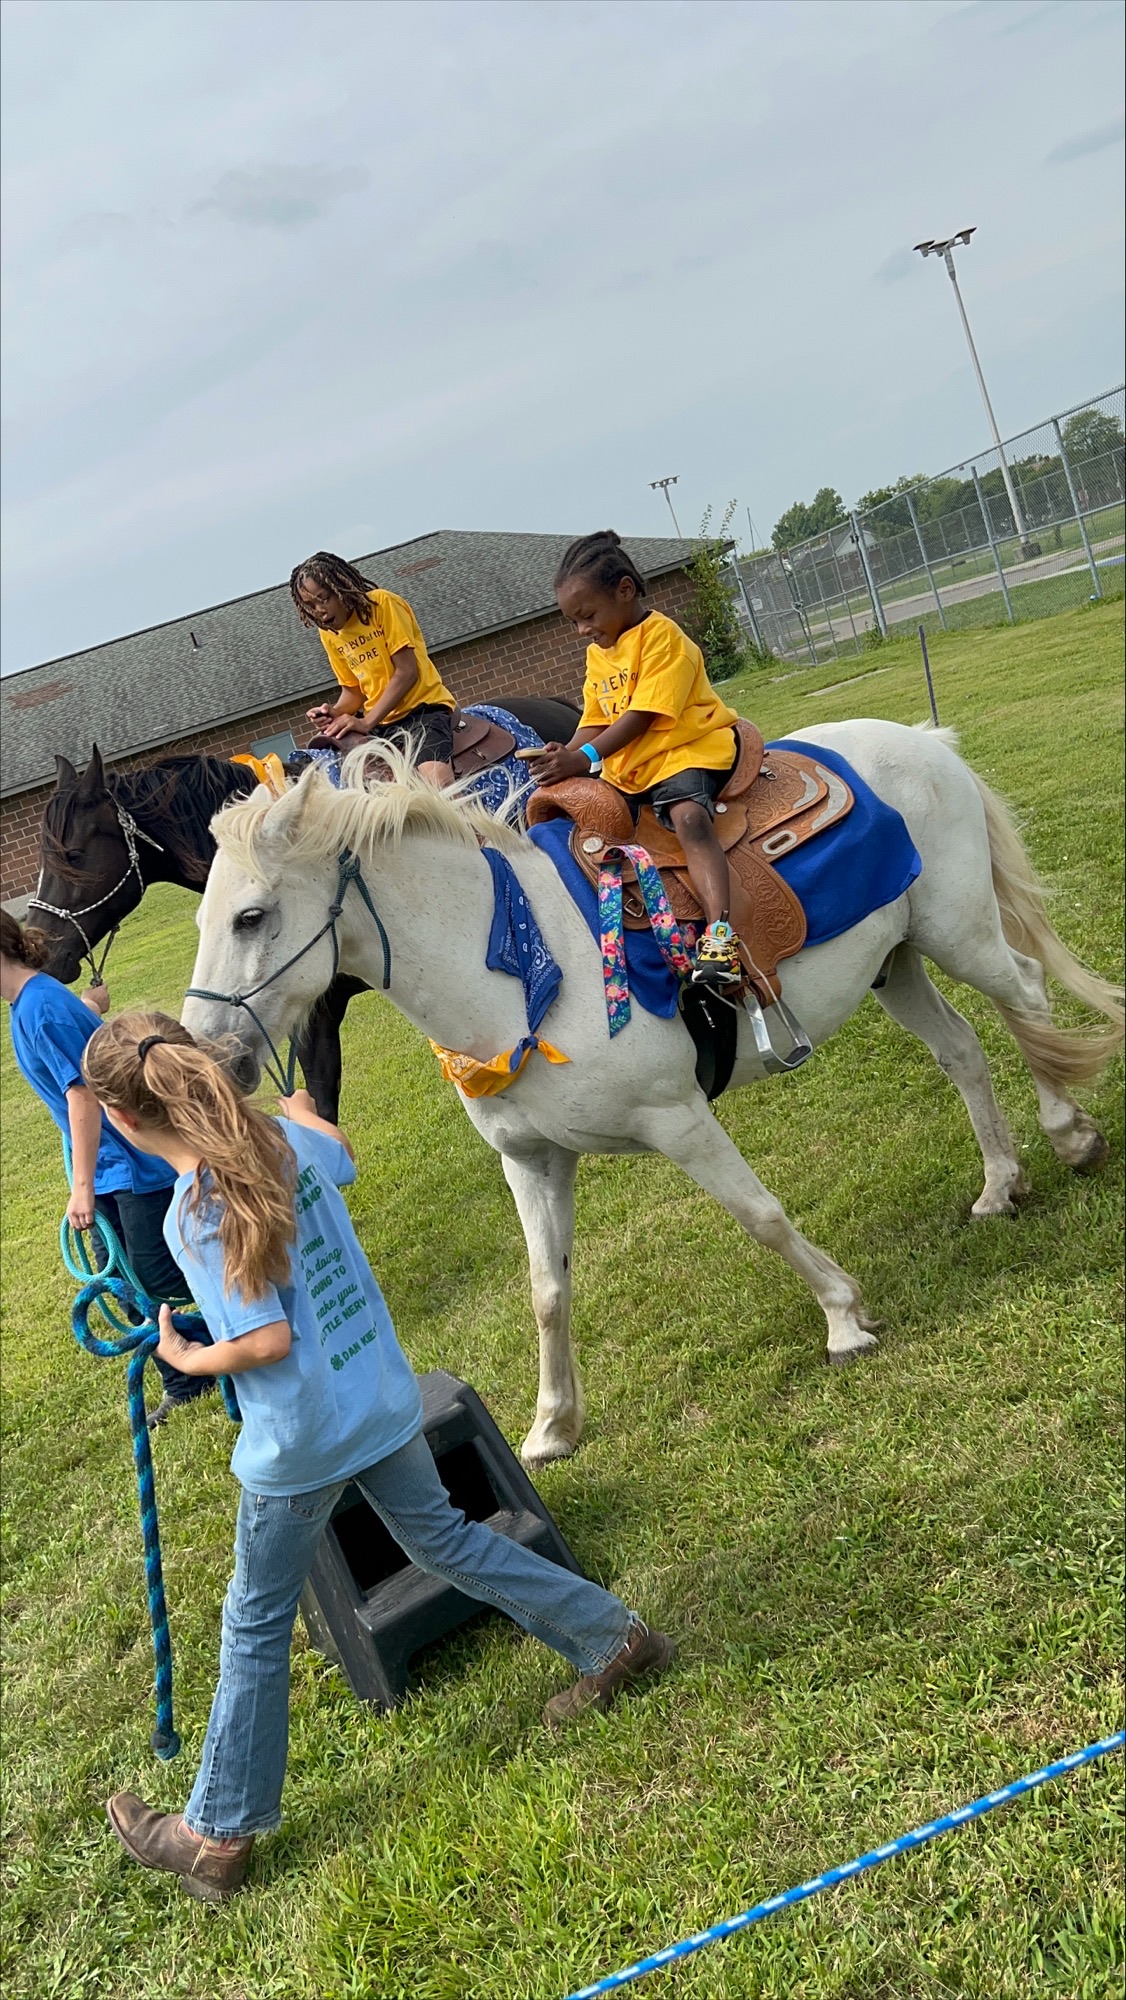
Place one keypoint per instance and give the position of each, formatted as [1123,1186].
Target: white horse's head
[270,942]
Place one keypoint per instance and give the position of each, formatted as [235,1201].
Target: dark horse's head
[84,867]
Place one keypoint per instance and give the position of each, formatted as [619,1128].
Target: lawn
[895,1586]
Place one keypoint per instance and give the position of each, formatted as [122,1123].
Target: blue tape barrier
[904,1845]
[113,1288]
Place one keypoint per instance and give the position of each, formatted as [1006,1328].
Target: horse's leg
[1015,984]
[690,1135]
[543,1186]
[318,1044]
[909,997]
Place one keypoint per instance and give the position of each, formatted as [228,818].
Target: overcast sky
[280,277]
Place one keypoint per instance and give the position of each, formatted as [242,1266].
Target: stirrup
[800,1045]
[717,958]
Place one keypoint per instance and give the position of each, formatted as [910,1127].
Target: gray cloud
[277,197]
[1088,142]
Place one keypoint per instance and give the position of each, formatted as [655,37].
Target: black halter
[284,1076]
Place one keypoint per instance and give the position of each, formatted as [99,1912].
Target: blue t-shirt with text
[50,1029]
[345,1395]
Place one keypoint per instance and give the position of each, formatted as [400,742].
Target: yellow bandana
[486,1079]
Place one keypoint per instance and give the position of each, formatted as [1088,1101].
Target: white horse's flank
[975,910]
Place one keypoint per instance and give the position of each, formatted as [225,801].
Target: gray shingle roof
[237,659]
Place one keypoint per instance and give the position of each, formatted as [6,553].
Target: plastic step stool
[366,1606]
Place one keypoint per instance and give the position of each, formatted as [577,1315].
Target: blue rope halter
[116,1292]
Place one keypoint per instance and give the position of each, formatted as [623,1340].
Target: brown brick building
[241,673]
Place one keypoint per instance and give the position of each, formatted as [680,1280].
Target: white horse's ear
[281,824]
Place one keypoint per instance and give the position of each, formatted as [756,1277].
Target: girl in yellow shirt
[389,684]
[652,725]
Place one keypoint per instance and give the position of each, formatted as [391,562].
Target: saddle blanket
[839,877]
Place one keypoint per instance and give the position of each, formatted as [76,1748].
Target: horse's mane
[361,815]
[172,801]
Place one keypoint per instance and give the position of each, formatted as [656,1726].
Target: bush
[711,620]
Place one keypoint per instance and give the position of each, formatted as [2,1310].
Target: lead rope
[109,1289]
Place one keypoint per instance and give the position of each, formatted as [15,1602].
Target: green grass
[895,1586]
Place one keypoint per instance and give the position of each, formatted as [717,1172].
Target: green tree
[1094,445]
[711,620]
[801,521]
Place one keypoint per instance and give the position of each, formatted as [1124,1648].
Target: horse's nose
[245,1071]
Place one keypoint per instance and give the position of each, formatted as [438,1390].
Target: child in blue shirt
[50,1030]
[258,1226]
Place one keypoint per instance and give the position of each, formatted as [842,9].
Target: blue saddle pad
[839,877]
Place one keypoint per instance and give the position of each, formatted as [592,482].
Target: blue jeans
[239,1784]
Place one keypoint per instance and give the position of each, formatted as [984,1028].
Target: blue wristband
[588,750]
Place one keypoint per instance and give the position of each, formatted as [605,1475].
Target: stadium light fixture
[663,485]
[944,248]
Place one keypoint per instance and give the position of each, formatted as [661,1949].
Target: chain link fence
[1020,533]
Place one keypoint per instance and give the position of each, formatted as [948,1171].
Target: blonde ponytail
[149,1065]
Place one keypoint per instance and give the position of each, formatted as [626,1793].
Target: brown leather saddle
[770,805]
[477,743]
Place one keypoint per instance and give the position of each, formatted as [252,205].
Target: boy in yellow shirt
[652,725]
[390,686]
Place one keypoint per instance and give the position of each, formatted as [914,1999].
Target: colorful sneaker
[717,958]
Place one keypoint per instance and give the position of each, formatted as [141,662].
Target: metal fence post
[988,526]
[1091,563]
[795,599]
[858,538]
[751,619]
[926,565]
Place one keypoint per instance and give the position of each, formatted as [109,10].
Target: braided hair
[602,558]
[342,578]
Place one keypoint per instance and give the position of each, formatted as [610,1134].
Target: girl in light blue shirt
[260,1229]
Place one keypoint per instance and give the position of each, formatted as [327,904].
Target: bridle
[132,834]
[283,1075]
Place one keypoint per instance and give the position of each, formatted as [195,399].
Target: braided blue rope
[137,1333]
[905,1843]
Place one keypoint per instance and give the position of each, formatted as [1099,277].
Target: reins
[132,834]
[283,1075]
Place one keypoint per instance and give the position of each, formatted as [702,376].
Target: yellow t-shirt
[658,667]
[360,655]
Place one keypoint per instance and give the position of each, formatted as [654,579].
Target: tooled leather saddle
[478,743]
[771,804]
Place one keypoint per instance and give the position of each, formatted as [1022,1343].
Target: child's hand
[297,1102]
[322,713]
[172,1346]
[557,763]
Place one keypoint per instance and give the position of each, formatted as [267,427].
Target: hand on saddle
[347,725]
[558,762]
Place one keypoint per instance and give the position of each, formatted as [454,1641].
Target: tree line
[1092,440]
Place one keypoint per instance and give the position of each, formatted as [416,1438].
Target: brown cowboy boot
[645,1655]
[210,1870]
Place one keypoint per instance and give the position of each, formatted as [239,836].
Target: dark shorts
[430,726]
[702,787]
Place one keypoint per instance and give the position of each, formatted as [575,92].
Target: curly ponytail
[149,1065]
[25,947]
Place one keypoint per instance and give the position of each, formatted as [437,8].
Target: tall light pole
[945,250]
[664,485]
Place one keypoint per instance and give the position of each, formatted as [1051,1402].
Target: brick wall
[542,657]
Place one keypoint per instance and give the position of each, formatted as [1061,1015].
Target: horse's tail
[1061,1056]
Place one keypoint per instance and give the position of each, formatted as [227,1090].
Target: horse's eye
[249,920]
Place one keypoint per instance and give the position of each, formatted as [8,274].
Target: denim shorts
[430,725]
[702,787]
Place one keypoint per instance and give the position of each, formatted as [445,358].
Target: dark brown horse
[105,837]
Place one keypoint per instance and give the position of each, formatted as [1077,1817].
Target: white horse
[975,910]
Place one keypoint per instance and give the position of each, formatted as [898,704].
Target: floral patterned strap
[664,926]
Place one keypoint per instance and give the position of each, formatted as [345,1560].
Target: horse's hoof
[1095,1153]
[843,1357]
[533,1459]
